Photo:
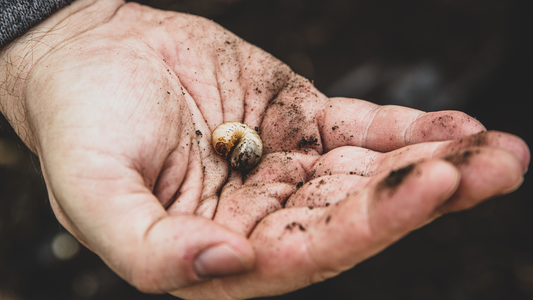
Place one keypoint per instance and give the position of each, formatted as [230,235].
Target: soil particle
[199,133]
[299,185]
[395,178]
[310,141]
[292,225]
[442,121]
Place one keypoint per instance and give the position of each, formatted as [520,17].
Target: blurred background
[470,55]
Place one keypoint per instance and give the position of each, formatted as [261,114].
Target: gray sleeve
[18,16]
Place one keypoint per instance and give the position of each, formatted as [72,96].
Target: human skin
[119,100]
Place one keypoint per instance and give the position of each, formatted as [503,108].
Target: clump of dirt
[293,225]
[308,141]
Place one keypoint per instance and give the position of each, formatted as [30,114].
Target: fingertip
[450,177]
[437,179]
[485,173]
[514,171]
[180,251]
[521,150]
[493,139]
[507,141]
[467,125]
[443,126]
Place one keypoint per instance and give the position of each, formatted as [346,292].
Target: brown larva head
[221,149]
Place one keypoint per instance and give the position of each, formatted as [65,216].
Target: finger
[229,79]
[485,173]
[214,168]
[125,224]
[352,122]
[290,121]
[493,139]
[179,185]
[266,190]
[168,252]
[286,166]
[364,162]
[393,204]
[263,76]
[327,190]
[188,195]
[315,244]
[241,208]
[301,118]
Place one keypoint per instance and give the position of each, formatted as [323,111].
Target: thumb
[136,237]
[178,251]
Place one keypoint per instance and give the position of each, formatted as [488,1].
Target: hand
[119,104]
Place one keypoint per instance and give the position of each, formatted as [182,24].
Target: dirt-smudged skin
[239,143]
[395,179]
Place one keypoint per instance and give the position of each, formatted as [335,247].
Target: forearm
[18,58]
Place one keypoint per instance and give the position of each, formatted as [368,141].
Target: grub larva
[238,143]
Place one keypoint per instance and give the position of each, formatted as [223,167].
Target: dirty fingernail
[219,260]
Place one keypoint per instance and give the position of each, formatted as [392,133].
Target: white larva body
[239,143]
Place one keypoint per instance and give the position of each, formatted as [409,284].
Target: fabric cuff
[18,16]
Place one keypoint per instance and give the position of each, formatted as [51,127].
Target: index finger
[353,122]
[302,118]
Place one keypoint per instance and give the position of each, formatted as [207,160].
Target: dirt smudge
[395,179]
[328,218]
[461,158]
[476,140]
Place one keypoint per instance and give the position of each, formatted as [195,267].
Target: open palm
[121,117]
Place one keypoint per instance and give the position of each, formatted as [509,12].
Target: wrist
[18,59]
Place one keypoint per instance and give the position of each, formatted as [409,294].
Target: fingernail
[219,260]
[453,186]
[514,187]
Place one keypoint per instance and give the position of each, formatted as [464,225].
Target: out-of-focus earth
[470,55]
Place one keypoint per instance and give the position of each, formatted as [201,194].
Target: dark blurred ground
[470,55]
